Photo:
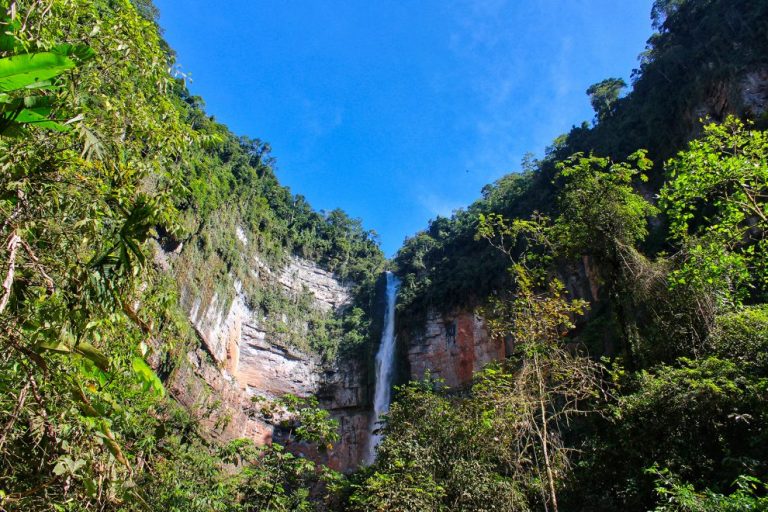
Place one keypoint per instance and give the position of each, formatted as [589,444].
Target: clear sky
[401,110]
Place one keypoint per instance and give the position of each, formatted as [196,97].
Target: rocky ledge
[240,359]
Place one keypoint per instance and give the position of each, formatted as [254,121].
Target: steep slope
[281,297]
[163,294]
[597,283]
[707,60]
[178,328]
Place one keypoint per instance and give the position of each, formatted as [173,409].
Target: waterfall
[384,366]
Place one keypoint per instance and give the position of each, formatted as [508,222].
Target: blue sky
[401,110]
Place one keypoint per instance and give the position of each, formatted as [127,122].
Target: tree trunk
[545,435]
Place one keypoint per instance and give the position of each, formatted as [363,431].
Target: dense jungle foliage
[106,158]
[673,417]
[666,214]
[694,66]
[653,395]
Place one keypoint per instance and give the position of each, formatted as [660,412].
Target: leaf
[22,70]
[112,445]
[86,407]
[39,117]
[148,376]
[67,465]
[59,346]
[90,486]
[43,85]
[60,468]
[93,354]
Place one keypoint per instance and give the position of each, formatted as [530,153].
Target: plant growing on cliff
[436,454]
[678,496]
[498,445]
[532,398]
[603,96]
[276,478]
[717,204]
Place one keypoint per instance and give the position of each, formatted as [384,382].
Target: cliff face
[452,346]
[243,355]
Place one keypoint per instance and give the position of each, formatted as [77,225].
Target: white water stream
[384,367]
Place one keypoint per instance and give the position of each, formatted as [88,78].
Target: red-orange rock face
[452,348]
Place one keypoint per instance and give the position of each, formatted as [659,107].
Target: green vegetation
[232,188]
[675,402]
[675,256]
[648,394]
[102,151]
[691,67]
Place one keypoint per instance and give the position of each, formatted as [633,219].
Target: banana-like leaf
[19,71]
[34,110]
[112,446]
[44,85]
[93,354]
[39,117]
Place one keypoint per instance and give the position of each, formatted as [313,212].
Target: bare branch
[13,247]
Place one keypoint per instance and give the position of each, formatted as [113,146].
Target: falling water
[384,362]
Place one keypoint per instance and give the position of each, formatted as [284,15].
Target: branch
[48,281]
[13,247]
[15,415]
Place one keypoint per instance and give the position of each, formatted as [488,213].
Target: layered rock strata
[241,359]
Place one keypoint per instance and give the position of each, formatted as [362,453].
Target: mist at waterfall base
[384,368]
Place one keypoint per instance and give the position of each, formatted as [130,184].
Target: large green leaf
[39,117]
[147,376]
[32,110]
[22,70]
[90,352]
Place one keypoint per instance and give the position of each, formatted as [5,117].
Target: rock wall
[239,359]
[454,346]
[302,274]
[754,92]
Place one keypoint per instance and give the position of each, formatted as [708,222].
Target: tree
[439,452]
[676,496]
[603,216]
[603,96]
[274,478]
[717,204]
[544,384]
[538,391]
